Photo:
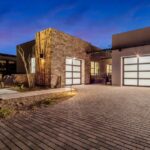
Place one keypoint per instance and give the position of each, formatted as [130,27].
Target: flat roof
[7,55]
[133,38]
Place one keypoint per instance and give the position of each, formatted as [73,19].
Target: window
[2,65]
[109,69]
[94,68]
[32,65]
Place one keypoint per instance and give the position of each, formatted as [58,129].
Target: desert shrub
[4,112]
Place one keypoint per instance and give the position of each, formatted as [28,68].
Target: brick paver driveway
[99,117]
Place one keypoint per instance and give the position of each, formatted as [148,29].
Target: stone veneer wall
[64,46]
[56,46]
[43,65]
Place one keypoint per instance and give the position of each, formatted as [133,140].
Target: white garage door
[136,71]
[73,71]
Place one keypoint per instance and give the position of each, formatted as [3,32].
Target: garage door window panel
[130,82]
[76,75]
[130,67]
[68,68]
[132,60]
[144,82]
[130,75]
[68,61]
[144,67]
[144,59]
[144,75]
[76,68]
[76,81]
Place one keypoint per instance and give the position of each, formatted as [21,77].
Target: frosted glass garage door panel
[68,74]
[68,68]
[130,75]
[130,81]
[144,82]
[76,81]
[130,67]
[144,67]
[68,61]
[76,75]
[76,62]
[130,60]
[68,81]
[144,74]
[76,68]
[145,59]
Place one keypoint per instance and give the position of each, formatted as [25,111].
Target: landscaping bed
[12,107]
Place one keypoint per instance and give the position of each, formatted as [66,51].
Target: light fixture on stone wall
[41,56]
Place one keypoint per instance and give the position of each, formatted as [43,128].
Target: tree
[27,66]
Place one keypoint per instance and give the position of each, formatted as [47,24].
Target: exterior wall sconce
[41,56]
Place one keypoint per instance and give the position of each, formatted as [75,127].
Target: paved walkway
[99,117]
[6,92]
[10,94]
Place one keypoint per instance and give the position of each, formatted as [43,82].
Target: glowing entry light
[42,58]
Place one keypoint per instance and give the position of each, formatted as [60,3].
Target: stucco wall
[103,65]
[131,38]
[117,60]
[28,49]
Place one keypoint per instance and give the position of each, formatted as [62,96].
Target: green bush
[4,112]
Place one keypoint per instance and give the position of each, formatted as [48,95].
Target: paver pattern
[99,117]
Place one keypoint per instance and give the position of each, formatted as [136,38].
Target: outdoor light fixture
[42,56]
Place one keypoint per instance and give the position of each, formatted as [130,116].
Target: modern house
[59,59]
[7,64]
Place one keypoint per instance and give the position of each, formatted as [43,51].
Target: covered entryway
[136,71]
[73,71]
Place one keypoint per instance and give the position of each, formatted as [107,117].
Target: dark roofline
[124,47]
[8,55]
[119,48]
[26,43]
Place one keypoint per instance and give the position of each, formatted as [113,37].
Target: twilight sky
[91,20]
